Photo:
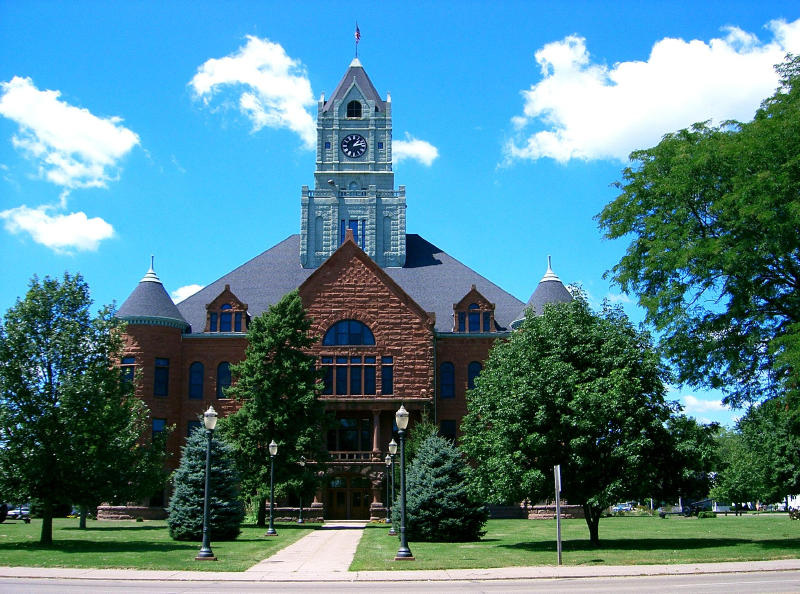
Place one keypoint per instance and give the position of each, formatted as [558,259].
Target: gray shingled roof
[150,303]
[432,278]
[355,72]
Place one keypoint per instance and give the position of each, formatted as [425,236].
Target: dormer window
[474,313]
[354,109]
[226,313]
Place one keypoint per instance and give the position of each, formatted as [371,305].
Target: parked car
[21,512]
[622,507]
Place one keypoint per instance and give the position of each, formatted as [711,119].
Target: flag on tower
[358,34]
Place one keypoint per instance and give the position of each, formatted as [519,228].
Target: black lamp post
[401,417]
[388,503]
[302,463]
[273,449]
[210,421]
[392,452]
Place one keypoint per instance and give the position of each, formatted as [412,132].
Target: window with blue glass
[223,378]
[473,371]
[474,318]
[349,376]
[127,368]
[196,380]
[348,332]
[158,426]
[358,227]
[225,321]
[161,377]
[387,375]
[447,380]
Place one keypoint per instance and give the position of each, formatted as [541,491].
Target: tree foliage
[225,510]
[438,505]
[574,388]
[277,384]
[713,213]
[761,459]
[71,428]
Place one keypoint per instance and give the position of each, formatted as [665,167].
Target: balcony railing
[344,456]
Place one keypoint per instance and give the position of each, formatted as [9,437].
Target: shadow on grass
[95,528]
[88,546]
[653,544]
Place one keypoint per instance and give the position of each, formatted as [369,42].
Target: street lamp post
[210,422]
[303,467]
[388,501]
[273,449]
[401,418]
[392,452]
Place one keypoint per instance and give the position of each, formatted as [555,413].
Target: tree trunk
[593,522]
[261,517]
[84,512]
[46,537]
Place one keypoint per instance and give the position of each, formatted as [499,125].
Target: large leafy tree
[71,429]
[572,387]
[713,214]
[277,384]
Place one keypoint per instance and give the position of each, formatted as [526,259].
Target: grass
[135,545]
[623,541]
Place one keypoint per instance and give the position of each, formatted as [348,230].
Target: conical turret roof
[549,290]
[355,73]
[149,303]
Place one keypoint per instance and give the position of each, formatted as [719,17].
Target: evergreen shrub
[438,507]
[186,505]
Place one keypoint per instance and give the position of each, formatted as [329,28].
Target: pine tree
[438,507]
[186,506]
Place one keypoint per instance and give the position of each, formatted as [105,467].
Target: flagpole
[358,37]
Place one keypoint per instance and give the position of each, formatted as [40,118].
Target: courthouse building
[400,321]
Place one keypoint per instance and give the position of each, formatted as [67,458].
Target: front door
[348,498]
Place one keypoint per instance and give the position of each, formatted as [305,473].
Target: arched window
[348,332]
[196,380]
[473,371]
[354,109]
[223,378]
[447,380]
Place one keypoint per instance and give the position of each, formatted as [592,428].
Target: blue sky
[182,129]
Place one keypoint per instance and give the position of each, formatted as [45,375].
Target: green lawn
[135,545]
[623,540]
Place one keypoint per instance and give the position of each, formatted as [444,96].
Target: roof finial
[550,275]
[151,276]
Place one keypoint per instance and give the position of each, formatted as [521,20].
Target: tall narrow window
[447,429]
[127,368]
[161,377]
[196,380]
[358,227]
[447,381]
[192,426]
[225,318]
[473,371]
[158,426]
[223,378]
[474,318]
[387,376]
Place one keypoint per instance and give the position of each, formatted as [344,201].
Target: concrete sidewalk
[325,555]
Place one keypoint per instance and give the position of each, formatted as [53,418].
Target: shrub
[186,505]
[438,507]
[706,514]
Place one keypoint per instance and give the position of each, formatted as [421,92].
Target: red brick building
[399,320]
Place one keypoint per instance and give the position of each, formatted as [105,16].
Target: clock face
[354,145]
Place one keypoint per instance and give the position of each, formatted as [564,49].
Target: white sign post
[557,474]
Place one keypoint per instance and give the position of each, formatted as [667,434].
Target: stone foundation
[130,512]
[548,512]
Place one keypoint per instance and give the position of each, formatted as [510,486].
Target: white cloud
[695,405]
[73,147]
[269,87]
[61,233]
[182,293]
[582,109]
[413,148]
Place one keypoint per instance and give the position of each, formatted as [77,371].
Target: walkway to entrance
[329,548]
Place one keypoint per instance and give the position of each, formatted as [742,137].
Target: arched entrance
[348,497]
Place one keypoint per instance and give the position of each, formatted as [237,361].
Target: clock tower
[353,181]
